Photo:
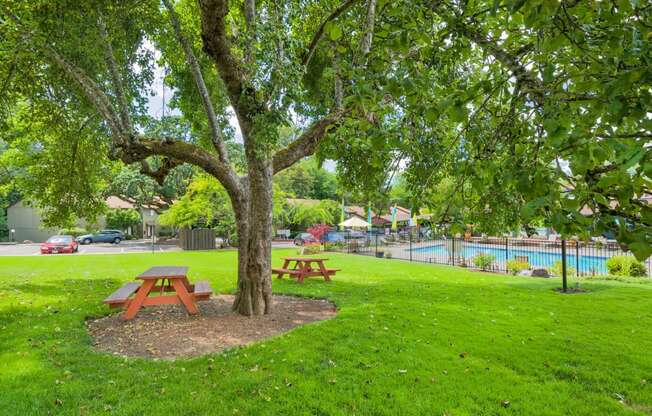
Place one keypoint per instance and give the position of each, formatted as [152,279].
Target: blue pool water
[586,264]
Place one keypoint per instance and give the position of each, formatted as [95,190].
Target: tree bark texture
[254,296]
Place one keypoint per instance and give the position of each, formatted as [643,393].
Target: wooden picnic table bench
[186,293]
[303,267]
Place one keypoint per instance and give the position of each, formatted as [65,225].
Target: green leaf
[335,32]
[532,207]
[548,73]
[515,5]
[459,112]
[641,249]
[634,158]
[432,114]
[551,126]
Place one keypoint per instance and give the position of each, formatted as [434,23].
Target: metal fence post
[410,245]
[563,266]
[577,258]
[506,252]
[453,250]
[376,250]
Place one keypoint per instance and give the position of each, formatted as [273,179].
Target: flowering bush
[319,231]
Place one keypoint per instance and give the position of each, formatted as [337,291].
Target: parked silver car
[103,236]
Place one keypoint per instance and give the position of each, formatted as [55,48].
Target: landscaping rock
[540,273]
[525,273]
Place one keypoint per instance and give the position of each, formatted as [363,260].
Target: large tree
[97,58]
[501,95]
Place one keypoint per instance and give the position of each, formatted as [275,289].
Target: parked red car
[60,244]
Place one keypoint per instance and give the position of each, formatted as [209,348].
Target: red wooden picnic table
[186,293]
[303,267]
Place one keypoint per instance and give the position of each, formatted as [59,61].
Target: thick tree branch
[338,86]
[310,51]
[92,92]
[250,15]
[178,152]
[217,46]
[365,45]
[307,143]
[216,134]
[250,19]
[115,76]
[162,172]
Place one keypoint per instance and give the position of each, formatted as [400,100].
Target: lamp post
[153,229]
[12,232]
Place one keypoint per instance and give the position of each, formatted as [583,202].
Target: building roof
[647,198]
[402,215]
[115,202]
[357,210]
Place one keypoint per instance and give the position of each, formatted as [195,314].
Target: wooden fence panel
[197,239]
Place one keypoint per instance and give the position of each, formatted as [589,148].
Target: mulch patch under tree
[168,332]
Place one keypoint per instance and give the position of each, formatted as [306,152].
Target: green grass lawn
[409,339]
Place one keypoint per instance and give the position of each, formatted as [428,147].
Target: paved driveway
[137,246]
[134,246]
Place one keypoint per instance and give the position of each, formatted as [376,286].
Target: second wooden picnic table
[302,267]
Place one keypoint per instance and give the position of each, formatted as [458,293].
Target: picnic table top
[159,272]
[305,258]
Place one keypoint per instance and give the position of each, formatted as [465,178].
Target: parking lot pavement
[133,246]
[136,246]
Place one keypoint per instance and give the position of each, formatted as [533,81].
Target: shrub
[626,266]
[233,240]
[310,249]
[334,245]
[166,232]
[75,232]
[517,266]
[484,261]
[557,269]
[121,218]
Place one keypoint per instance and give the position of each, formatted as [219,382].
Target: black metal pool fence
[498,254]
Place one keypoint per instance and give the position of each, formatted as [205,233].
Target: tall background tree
[537,107]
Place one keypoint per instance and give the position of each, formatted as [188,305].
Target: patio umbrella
[354,222]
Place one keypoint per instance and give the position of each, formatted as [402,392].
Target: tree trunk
[254,220]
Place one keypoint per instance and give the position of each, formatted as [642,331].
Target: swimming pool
[537,258]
